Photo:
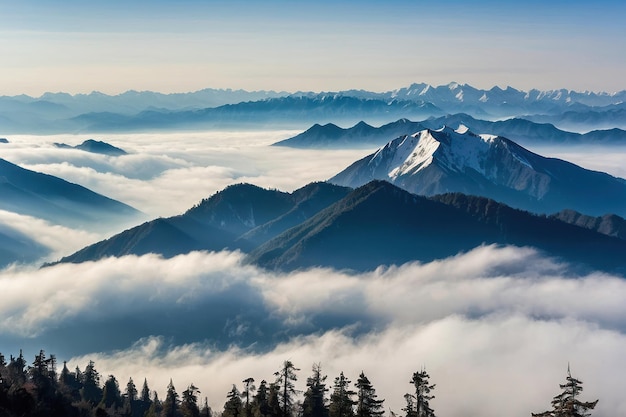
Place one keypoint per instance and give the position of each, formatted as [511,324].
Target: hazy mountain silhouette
[520,130]
[95,146]
[58,201]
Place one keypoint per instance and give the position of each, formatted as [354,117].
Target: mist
[495,327]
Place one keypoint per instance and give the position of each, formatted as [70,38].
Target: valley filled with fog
[495,327]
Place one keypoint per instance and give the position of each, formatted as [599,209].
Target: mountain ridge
[357,229]
[439,161]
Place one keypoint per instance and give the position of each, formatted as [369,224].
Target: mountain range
[51,198]
[358,229]
[522,131]
[210,108]
[440,161]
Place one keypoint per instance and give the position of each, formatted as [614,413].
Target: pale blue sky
[178,46]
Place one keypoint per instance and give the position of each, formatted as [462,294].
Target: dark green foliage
[90,380]
[314,404]
[233,406]
[260,405]
[341,399]
[172,403]
[189,406]
[367,403]
[111,396]
[566,404]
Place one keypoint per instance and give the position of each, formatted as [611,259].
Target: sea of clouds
[495,327]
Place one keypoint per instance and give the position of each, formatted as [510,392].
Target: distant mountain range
[377,224]
[433,162]
[522,131]
[95,146]
[210,108]
[47,197]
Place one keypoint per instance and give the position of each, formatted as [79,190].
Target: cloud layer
[495,327]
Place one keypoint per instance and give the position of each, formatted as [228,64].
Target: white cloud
[491,341]
[167,173]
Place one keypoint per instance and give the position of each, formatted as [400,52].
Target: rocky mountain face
[440,161]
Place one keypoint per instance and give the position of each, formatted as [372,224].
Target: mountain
[582,119]
[377,224]
[520,130]
[359,135]
[95,146]
[288,111]
[15,247]
[211,108]
[238,217]
[441,161]
[58,201]
[381,224]
[609,224]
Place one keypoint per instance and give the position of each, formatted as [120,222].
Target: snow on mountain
[441,161]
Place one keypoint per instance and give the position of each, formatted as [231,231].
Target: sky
[180,46]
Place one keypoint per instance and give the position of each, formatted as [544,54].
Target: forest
[37,390]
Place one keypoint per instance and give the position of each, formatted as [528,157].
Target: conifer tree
[111,396]
[248,386]
[189,406]
[367,403]
[233,406]
[145,392]
[285,379]
[341,399]
[155,408]
[206,411]
[566,404]
[314,404]
[171,403]
[409,409]
[90,381]
[260,401]
[422,395]
[275,409]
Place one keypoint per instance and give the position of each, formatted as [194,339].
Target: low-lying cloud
[165,174]
[494,327]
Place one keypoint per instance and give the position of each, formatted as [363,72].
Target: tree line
[37,390]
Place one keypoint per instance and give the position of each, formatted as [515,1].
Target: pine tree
[367,404]
[341,402]
[189,406]
[285,379]
[111,396]
[566,404]
[90,381]
[260,401]
[248,386]
[171,403]
[314,404]
[422,395]
[206,411]
[233,406]
[409,409]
